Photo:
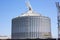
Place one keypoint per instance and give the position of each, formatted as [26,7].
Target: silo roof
[30,13]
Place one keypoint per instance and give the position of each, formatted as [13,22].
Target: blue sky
[11,8]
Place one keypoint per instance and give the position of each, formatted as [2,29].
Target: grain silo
[31,25]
